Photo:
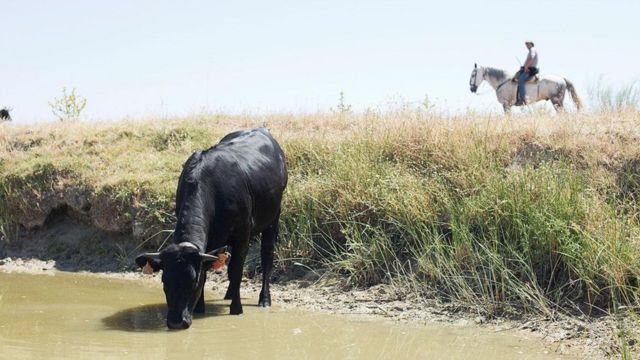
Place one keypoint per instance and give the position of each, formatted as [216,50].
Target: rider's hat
[529,42]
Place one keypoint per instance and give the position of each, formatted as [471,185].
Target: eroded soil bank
[68,245]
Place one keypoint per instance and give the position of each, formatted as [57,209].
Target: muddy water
[82,316]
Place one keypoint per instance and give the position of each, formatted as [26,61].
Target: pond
[71,315]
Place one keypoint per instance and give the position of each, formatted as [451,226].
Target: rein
[496,90]
[504,82]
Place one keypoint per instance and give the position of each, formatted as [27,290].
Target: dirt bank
[67,244]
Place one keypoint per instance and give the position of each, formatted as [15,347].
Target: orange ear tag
[147,269]
[219,264]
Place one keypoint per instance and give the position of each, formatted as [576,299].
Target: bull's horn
[207,257]
[222,249]
[155,255]
[188,244]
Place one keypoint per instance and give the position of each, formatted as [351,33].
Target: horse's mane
[496,73]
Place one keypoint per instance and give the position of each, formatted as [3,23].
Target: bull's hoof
[265,301]
[235,309]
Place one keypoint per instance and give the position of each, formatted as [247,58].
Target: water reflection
[152,317]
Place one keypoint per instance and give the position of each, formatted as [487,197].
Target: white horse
[547,87]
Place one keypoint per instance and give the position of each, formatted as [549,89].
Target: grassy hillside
[522,214]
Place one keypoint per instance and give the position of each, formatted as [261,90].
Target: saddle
[533,78]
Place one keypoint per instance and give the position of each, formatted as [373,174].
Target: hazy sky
[149,58]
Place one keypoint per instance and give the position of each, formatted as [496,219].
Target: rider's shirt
[533,54]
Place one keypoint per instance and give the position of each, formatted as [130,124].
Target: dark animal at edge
[225,195]
[4,114]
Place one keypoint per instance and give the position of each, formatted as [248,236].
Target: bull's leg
[199,309]
[199,305]
[240,247]
[269,237]
[228,294]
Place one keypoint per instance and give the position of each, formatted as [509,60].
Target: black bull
[4,114]
[225,195]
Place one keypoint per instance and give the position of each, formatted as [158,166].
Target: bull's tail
[574,94]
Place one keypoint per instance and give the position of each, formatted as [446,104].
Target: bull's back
[253,161]
[256,153]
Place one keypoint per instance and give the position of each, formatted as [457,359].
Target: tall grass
[606,98]
[529,214]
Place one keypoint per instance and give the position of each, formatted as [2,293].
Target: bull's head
[183,267]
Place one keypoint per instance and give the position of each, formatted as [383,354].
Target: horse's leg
[558,101]
[506,108]
[557,105]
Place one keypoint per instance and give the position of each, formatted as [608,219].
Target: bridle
[472,80]
[472,83]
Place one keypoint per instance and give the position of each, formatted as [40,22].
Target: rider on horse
[529,69]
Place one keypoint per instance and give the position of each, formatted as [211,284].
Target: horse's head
[477,76]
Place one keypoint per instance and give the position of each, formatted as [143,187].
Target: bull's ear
[207,259]
[149,259]
[475,65]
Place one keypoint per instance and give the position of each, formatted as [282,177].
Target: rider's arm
[529,61]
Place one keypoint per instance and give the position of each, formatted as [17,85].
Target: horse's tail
[574,94]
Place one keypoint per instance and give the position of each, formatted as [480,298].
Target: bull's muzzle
[179,325]
[179,321]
